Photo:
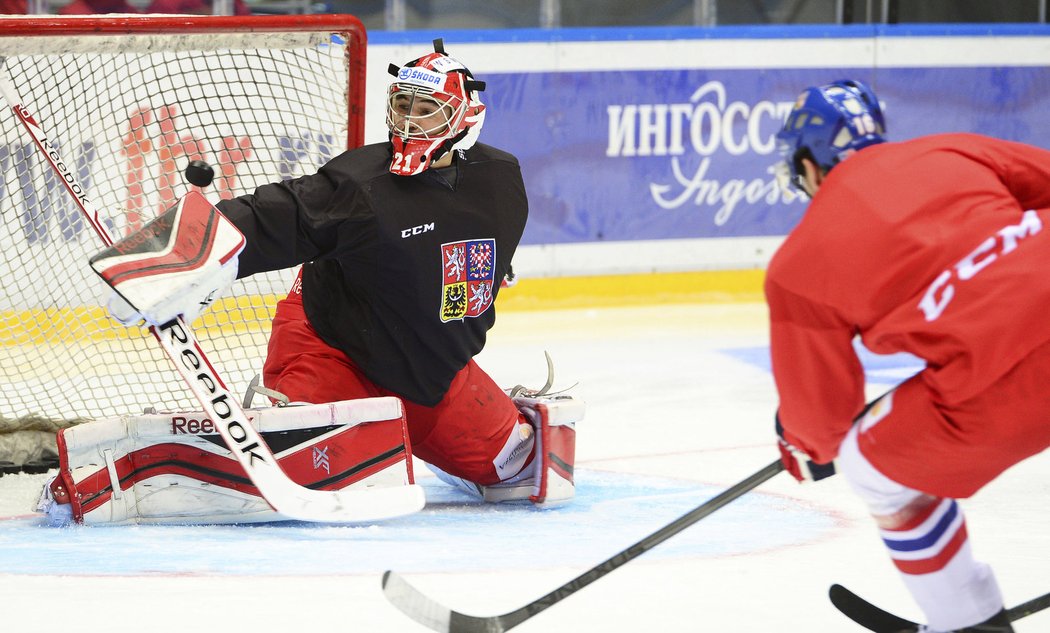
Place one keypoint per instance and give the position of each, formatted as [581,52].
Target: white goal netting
[130,103]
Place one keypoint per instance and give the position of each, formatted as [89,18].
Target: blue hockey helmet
[827,124]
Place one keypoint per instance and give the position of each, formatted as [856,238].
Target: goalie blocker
[174,468]
[176,265]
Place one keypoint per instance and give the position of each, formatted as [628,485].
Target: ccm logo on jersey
[941,291]
[417,230]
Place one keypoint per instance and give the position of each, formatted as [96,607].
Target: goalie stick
[873,618]
[428,612]
[244,441]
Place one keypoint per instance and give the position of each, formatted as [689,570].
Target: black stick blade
[866,614]
[875,619]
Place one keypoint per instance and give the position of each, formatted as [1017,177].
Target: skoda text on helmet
[432,109]
[827,124]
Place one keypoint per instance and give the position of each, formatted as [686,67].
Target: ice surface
[680,402]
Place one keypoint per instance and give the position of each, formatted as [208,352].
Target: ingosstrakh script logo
[708,123]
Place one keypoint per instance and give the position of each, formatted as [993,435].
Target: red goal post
[131,100]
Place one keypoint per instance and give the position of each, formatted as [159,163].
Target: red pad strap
[557,448]
[65,479]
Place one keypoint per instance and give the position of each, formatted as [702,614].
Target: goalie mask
[828,124]
[432,109]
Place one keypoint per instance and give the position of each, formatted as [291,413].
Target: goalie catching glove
[176,265]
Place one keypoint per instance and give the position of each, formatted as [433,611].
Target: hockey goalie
[174,468]
[403,246]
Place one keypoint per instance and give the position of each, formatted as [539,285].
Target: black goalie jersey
[402,272]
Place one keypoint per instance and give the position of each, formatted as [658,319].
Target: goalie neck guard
[827,124]
[432,109]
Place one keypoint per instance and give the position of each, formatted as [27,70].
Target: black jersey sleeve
[290,222]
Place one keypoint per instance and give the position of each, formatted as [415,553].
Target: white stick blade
[344,506]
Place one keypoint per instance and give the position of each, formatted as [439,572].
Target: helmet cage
[416,112]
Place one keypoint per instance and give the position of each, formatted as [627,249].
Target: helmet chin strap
[447,146]
[444,148]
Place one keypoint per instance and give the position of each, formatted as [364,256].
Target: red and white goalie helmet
[432,109]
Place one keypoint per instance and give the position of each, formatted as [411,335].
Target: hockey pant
[926,538]
[911,455]
[174,468]
[476,433]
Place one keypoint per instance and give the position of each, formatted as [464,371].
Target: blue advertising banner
[640,155]
[653,150]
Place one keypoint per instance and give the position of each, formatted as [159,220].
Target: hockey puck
[9,468]
[199,173]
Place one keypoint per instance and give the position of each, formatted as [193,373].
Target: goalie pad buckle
[174,468]
[176,265]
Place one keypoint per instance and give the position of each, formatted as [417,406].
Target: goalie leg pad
[175,469]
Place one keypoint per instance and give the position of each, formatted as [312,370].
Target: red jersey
[928,246]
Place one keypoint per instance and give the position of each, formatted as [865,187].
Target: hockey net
[131,100]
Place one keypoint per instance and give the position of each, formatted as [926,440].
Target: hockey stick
[876,619]
[422,609]
[244,441]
